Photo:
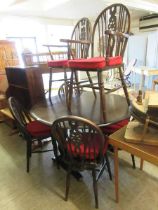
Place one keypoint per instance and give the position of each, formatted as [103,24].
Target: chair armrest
[117,33]
[51,45]
[75,41]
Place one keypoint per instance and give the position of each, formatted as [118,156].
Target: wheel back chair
[77,47]
[82,146]
[31,130]
[109,39]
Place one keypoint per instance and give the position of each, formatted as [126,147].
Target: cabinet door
[8,57]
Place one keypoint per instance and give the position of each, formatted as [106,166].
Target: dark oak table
[85,105]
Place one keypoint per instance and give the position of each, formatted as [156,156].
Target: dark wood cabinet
[25,84]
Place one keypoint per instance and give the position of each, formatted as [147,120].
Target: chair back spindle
[107,40]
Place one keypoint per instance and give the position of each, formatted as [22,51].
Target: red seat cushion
[37,129]
[95,63]
[112,61]
[109,129]
[89,150]
[58,63]
[89,63]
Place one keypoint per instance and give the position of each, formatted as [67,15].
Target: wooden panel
[8,57]
[8,54]
[25,84]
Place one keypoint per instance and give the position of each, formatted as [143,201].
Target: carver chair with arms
[109,39]
[82,146]
[31,130]
[77,47]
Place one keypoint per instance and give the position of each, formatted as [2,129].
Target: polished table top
[85,105]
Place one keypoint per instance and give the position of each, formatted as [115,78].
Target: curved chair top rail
[82,32]
[110,31]
[79,138]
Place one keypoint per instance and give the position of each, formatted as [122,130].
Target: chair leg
[67,184]
[124,85]
[133,161]
[108,166]
[95,188]
[66,85]
[77,82]
[105,163]
[102,94]
[91,83]
[50,83]
[28,155]
[70,90]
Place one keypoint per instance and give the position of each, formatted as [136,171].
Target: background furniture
[77,47]
[144,47]
[31,130]
[82,146]
[41,59]
[145,152]
[144,72]
[25,84]
[8,57]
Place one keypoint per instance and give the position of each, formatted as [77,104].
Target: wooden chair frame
[111,29]
[81,144]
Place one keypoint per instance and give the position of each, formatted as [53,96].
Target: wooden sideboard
[25,84]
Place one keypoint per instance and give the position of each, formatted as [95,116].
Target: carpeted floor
[44,187]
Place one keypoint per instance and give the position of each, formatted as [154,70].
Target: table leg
[116,173]
[141,164]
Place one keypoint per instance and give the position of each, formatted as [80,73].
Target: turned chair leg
[50,83]
[67,184]
[133,161]
[124,85]
[108,166]
[28,155]
[91,83]
[95,188]
[70,90]
[102,94]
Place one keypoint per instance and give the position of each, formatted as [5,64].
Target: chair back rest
[20,115]
[111,31]
[82,32]
[79,140]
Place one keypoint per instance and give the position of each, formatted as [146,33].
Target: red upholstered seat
[37,129]
[90,63]
[58,63]
[112,61]
[95,63]
[89,151]
[114,127]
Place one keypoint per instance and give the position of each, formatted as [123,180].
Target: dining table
[83,105]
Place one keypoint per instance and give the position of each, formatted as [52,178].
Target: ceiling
[73,9]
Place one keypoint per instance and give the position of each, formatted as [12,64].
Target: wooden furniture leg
[141,164]
[102,94]
[124,86]
[70,91]
[50,83]
[91,83]
[116,162]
